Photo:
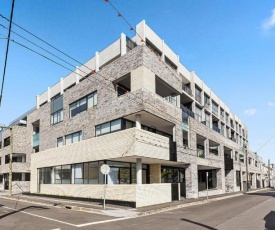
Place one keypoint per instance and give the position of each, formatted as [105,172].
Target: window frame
[78,104]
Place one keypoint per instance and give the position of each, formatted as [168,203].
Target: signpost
[105,169]
[207,184]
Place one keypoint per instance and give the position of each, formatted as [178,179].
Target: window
[236,156]
[206,101]
[198,94]
[207,119]
[7,141]
[57,117]
[172,175]
[198,113]
[62,174]
[59,141]
[214,108]
[108,127]
[200,150]
[73,138]
[45,175]
[57,109]
[83,104]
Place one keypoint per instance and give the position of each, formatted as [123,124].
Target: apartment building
[164,133]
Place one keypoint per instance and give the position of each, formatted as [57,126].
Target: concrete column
[123,48]
[49,94]
[178,62]
[141,31]
[23,176]
[261,181]
[174,133]
[61,86]
[178,101]
[138,121]
[191,181]
[221,179]
[139,170]
[254,181]
[162,51]
[206,148]
[96,62]
[77,77]
[37,102]
[155,173]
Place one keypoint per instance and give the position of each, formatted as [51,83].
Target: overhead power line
[41,48]
[40,39]
[7,51]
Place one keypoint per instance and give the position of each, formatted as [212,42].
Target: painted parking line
[67,223]
[43,217]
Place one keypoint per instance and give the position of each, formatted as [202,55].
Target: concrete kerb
[144,213]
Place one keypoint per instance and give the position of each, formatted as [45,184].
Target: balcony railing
[187,111]
[233,139]
[216,128]
[187,89]
[36,139]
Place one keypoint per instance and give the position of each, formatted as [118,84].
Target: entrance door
[175,191]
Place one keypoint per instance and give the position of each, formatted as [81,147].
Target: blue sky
[229,44]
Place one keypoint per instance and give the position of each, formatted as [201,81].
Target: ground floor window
[89,173]
[172,175]
[202,178]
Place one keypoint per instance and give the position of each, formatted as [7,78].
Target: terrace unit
[135,107]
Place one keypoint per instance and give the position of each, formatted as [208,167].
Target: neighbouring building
[135,107]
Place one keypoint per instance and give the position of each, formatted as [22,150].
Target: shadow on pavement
[200,224]
[23,209]
[270,221]
[271,194]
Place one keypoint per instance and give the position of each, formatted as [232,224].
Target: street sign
[105,169]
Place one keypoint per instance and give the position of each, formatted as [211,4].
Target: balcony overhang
[151,120]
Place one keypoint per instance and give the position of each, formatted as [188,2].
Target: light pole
[10,163]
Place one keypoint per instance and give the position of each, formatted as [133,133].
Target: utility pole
[268,172]
[11,152]
[247,177]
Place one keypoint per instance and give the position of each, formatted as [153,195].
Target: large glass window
[83,104]
[172,175]
[108,127]
[45,175]
[73,138]
[62,174]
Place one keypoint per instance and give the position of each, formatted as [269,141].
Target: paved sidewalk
[116,210]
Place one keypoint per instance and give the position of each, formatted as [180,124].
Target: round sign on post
[105,169]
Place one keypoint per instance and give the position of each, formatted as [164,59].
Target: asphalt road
[251,211]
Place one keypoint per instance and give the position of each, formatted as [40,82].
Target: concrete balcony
[126,145]
[16,167]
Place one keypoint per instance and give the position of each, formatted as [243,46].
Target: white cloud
[271,104]
[269,23]
[250,112]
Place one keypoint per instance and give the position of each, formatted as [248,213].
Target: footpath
[117,210]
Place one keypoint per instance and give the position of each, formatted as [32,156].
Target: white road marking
[74,225]
[43,217]
[103,221]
